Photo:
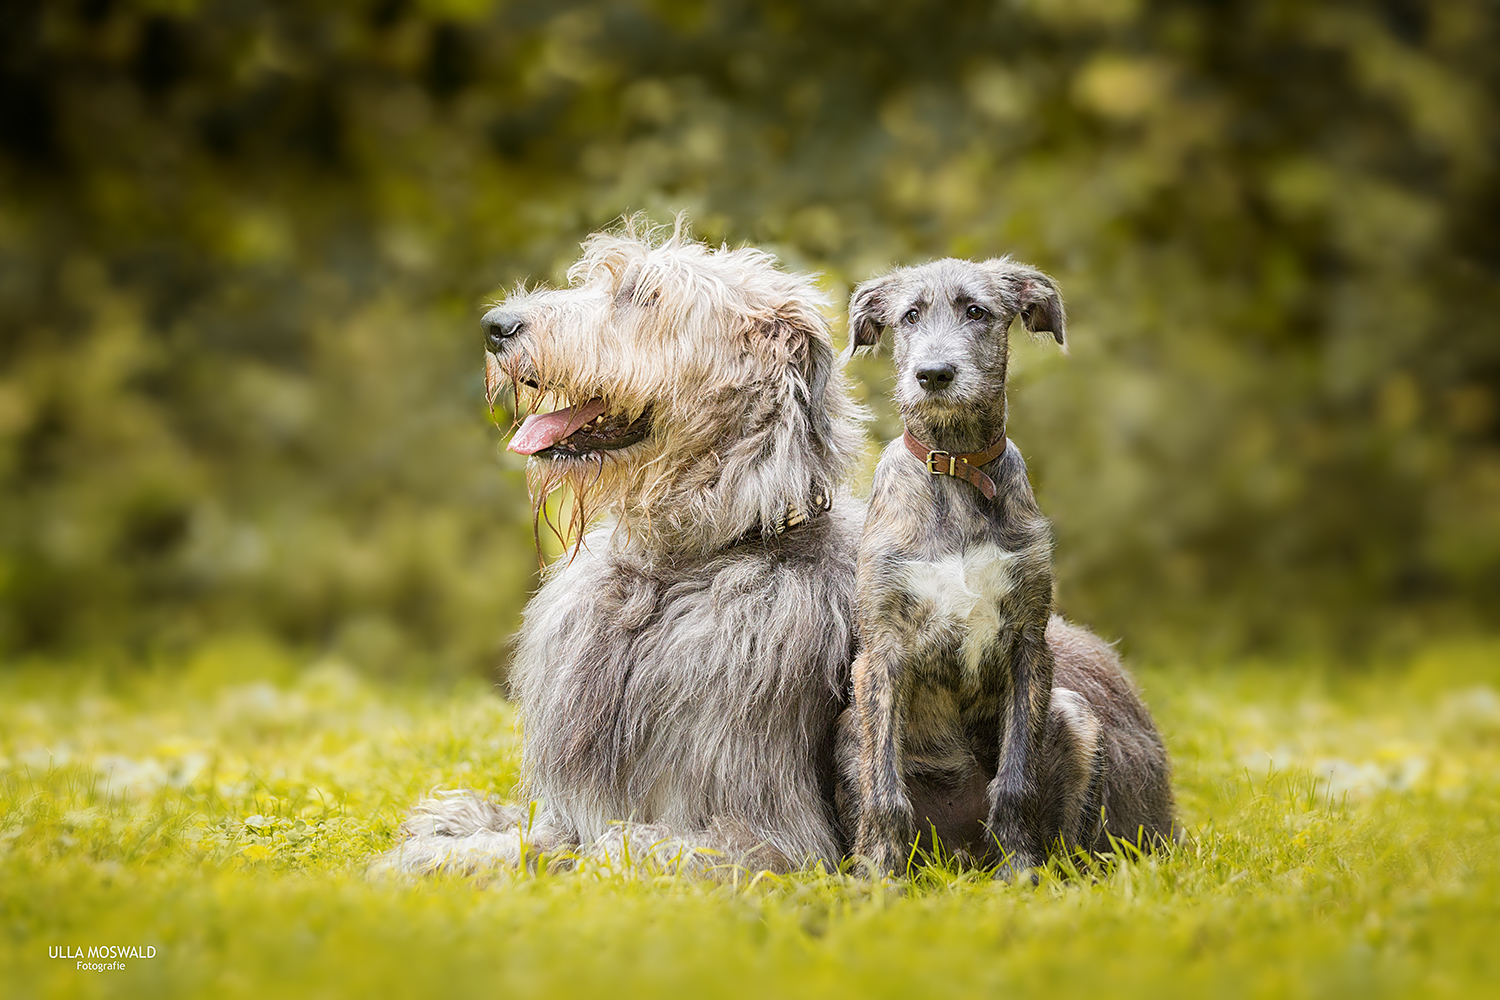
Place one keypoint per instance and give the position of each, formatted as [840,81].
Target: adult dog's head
[689,390]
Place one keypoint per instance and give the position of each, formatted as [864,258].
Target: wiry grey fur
[680,674]
[979,718]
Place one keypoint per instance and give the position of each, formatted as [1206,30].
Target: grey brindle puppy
[979,717]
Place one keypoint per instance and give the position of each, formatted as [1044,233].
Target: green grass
[1344,835]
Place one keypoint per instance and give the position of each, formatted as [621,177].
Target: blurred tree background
[244,246]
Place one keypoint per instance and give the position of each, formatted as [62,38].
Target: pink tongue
[543,430]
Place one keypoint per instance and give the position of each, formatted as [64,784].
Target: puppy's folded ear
[1042,306]
[867,313]
[1038,301]
[1042,309]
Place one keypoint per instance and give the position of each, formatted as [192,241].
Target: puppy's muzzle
[499,325]
[935,377]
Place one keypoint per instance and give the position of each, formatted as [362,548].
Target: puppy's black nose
[935,377]
[499,326]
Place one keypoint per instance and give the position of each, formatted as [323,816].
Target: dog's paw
[458,812]
[465,832]
[1020,868]
[723,849]
[471,854]
[654,847]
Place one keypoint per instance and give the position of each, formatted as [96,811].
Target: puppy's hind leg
[1075,769]
[464,832]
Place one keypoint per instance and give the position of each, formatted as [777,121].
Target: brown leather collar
[965,467]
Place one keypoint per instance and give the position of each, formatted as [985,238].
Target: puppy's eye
[912,315]
[976,312]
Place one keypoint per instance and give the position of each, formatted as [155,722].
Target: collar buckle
[935,460]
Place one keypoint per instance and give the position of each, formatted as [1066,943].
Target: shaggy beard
[589,486]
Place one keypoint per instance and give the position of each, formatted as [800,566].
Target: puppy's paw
[1020,868]
[883,858]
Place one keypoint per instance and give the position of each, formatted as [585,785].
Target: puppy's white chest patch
[966,590]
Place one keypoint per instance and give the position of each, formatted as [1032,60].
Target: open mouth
[579,431]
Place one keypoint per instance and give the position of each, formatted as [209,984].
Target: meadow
[1342,841]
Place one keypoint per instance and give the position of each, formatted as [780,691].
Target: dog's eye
[912,315]
[976,312]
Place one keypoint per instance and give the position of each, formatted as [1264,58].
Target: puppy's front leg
[886,830]
[1016,821]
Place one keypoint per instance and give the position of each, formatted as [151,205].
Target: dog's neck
[962,432]
[782,473]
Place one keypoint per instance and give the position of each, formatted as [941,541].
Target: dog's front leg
[1016,819]
[886,828]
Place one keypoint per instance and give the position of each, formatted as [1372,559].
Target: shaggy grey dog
[979,718]
[679,674]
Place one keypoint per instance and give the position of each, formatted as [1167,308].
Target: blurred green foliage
[244,246]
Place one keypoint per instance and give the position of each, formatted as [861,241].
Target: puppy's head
[950,321]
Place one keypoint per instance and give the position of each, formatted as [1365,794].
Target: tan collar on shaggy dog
[819,501]
[965,467]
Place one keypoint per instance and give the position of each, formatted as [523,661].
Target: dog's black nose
[499,326]
[935,377]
